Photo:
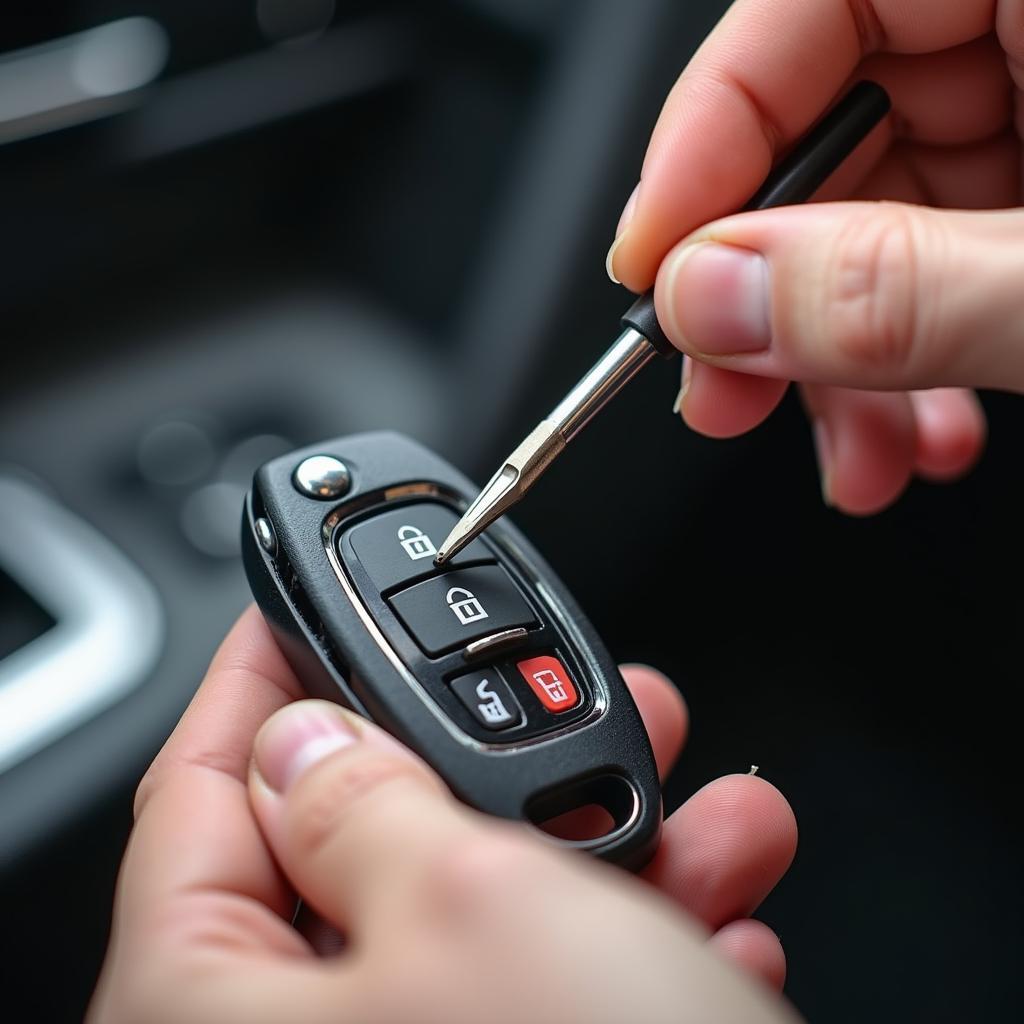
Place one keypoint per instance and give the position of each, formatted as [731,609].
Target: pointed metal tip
[465,531]
[515,477]
[445,551]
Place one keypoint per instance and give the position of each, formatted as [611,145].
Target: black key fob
[487,668]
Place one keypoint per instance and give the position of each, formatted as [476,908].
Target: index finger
[760,80]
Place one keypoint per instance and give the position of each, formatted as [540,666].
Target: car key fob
[487,668]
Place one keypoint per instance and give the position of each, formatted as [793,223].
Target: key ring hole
[588,812]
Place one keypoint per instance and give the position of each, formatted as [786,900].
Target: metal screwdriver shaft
[793,181]
[626,358]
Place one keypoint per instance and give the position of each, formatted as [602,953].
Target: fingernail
[823,448]
[296,738]
[620,232]
[718,299]
[684,387]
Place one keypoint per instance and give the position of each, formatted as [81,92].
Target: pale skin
[259,797]
[884,314]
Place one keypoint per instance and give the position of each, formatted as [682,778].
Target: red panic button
[550,681]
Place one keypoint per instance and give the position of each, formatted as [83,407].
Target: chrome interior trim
[428,490]
[109,624]
[79,78]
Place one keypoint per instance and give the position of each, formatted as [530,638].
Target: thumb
[862,295]
[351,815]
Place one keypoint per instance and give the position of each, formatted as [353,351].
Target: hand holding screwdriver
[795,180]
[883,313]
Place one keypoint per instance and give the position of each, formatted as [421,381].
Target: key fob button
[454,609]
[400,546]
[550,681]
[489,699]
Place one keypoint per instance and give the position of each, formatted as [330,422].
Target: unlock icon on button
[465,605]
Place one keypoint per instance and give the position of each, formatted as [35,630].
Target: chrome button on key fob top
[485,667]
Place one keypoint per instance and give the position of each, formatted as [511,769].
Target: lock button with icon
[416,543]
[400,546]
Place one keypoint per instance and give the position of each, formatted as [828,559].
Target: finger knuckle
[168,769]
[323,799]
[872,305]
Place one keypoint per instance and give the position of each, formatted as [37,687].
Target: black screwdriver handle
[796,178]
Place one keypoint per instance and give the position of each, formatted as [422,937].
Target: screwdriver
[794,180]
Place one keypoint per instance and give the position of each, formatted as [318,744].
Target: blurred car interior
[234,228]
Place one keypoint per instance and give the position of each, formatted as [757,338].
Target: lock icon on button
[416,543]
[465,605]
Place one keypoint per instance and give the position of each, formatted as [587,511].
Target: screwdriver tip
[515,477]
[444,552]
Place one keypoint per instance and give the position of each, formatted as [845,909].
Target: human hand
[858,301]
[448,915]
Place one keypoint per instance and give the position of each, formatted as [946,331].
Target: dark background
[401,222]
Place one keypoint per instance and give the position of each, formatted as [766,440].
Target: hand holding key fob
[486,668]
